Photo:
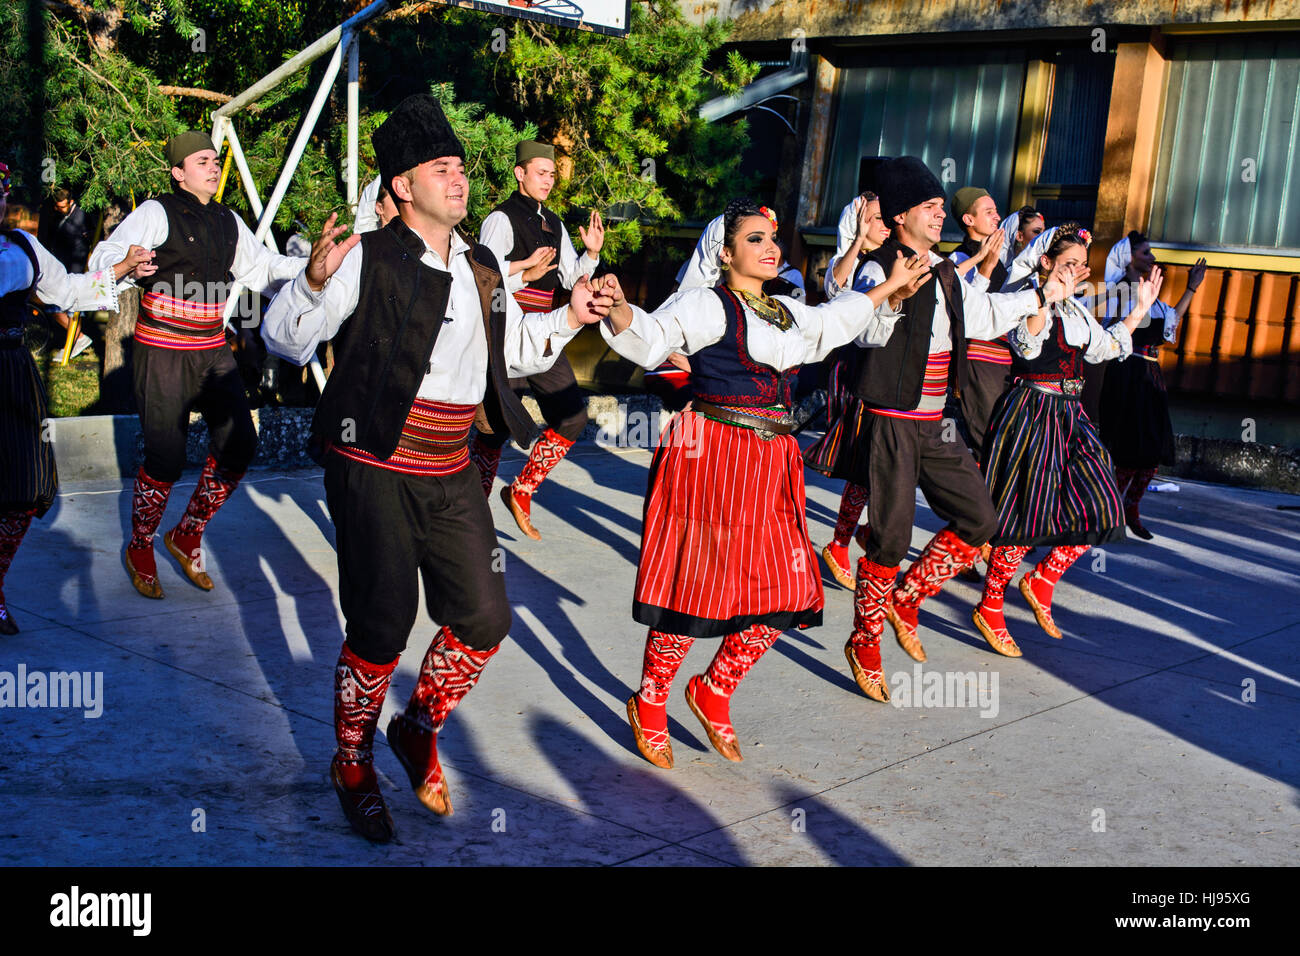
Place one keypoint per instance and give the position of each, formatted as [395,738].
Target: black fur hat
[414,133]
[903,183]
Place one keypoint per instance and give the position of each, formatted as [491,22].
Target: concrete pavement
[1163,729]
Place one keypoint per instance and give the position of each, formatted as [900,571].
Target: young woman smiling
[725,550]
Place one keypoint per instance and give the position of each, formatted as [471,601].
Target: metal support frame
[343,39]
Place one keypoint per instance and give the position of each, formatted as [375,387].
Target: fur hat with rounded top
[905,182]
[414,133]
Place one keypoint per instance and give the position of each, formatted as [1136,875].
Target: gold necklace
[768,309]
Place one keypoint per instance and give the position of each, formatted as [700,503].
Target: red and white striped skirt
[725,541]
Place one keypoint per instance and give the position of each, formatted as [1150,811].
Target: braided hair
[737,210]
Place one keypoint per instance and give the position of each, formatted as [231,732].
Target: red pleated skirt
[725,542]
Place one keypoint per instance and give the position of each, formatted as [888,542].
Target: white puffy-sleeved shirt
[986,315]
[499,235]
[69,292]
[845,232]
[255,267]
[1081,331]
[298,319]
[704,268]
[693,319]
[1117,308]
[366,219]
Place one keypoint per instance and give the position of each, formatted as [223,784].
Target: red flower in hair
[770,215]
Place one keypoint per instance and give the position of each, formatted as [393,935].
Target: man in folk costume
[904,385]
[180,358]
[977,214]
[423,334]
[29,476]
[540,259]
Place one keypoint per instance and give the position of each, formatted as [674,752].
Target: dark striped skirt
[1134,414]
[1049,475]
[833,453]
[725,542]
[28,477]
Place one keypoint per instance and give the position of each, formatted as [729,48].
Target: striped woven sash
[176,324]
[994,352]
[534,300]
[434,441]
[933,386]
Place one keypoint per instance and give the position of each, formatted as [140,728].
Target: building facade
[1179,119]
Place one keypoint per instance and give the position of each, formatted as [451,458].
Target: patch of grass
[73,388]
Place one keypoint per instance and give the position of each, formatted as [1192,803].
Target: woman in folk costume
[1134,419]
[843,410]
[725,550]
[1048,473]
[28,477]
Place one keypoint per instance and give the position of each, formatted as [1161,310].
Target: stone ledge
[111,446]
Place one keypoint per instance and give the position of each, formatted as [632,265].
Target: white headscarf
[1117,261]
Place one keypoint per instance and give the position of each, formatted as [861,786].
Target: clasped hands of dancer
[137,264]
[543,259]
[588,303]
[990,245]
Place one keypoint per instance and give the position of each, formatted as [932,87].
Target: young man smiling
[180,358]
[529,239]
[904,385]
[424,335]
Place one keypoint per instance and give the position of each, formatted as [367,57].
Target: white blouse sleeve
[849,317]
[689,320]
[84,292]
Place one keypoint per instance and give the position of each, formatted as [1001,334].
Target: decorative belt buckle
[764,434]
[1072,387]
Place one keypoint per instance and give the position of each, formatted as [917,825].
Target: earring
[724,265]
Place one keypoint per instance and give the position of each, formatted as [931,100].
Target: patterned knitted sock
[870,598]
[148,502]
[1050,569]
[359,691]
[1003,563]
[852,501]
[486,458]
[664,654]
[213,490]
[13,525]
[738,653]
[449,672]
[546,454]
[944,556]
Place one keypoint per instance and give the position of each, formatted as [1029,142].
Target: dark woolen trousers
[906,453]
[171,382]
[391,528]
[562,402]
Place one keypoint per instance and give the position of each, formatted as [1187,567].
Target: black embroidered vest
[195,259]
[532,230]
[725,374]
[1058,359]
[891,376]
[382,351]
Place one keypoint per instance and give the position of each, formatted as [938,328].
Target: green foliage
[621,112]
[625,110]
[103,120]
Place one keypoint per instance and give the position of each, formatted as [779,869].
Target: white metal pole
[300,144]
[354,118]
